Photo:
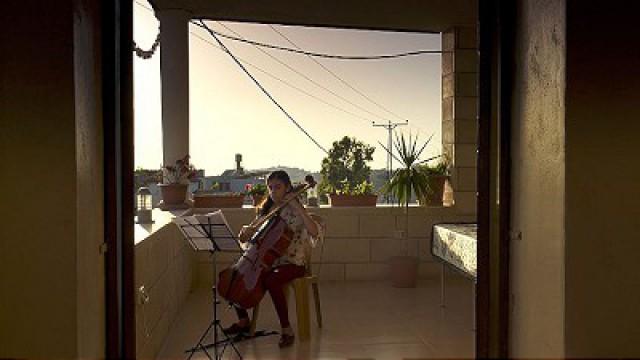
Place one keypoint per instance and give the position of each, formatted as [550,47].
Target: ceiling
[400,15]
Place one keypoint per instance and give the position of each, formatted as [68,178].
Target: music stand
[210,233]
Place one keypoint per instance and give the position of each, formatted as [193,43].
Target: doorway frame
[495,30]
[117,108]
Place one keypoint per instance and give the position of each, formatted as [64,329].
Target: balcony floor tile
[362,320]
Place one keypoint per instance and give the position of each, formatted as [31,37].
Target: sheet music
[199,230]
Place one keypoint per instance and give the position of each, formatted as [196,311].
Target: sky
[229,114]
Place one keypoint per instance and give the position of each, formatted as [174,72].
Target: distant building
[233,180]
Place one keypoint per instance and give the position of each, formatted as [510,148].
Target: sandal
[286,340]
[236,329]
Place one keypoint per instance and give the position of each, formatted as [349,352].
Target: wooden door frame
[117,102]
[496,45]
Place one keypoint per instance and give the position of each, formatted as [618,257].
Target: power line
[345,82]
[311,56]
[306,77]
[285,82]
[144,6]
[273,76]
[321,86]
[261,87]
[405,121]
[339,78]
[324,55]
[137,2]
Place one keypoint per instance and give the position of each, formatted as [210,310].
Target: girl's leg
[275,281]
[242,314]
[242,325]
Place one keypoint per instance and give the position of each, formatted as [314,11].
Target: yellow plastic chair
[301,294]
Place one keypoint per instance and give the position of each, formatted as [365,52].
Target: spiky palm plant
[409,178]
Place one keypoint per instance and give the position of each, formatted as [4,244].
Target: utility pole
[389,126]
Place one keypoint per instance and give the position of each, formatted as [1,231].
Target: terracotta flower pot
[173,194]
[352,200]
[435,196]
[403,271]
[217,201]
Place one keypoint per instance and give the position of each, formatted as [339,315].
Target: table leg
[442,278]
[473,313]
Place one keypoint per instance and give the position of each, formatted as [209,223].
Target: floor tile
[362,320]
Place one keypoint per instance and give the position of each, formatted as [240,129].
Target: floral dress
[302,241]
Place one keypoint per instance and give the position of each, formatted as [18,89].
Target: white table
[456,245]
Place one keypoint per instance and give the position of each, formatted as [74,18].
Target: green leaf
[346,165]
[409,179]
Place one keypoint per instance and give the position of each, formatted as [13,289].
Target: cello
[242,283]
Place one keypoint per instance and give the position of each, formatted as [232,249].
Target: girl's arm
[312,227]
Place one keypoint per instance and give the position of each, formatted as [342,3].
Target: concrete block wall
[358,242]
[164,265]
[460,114]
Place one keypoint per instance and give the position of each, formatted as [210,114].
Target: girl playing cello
[289,266]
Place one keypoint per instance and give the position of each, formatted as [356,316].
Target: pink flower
[179,173]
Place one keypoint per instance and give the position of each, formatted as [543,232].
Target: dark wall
[538,181]
[51,274]
[37,150]
[602,179]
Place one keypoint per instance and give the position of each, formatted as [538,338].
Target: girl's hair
[276,175]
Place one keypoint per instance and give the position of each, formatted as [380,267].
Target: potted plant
[213,198]
[407,180]
[360,195]
[437,176]
[175,181]
[345,173]
[257,193]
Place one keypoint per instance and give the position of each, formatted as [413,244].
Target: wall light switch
[143,297]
